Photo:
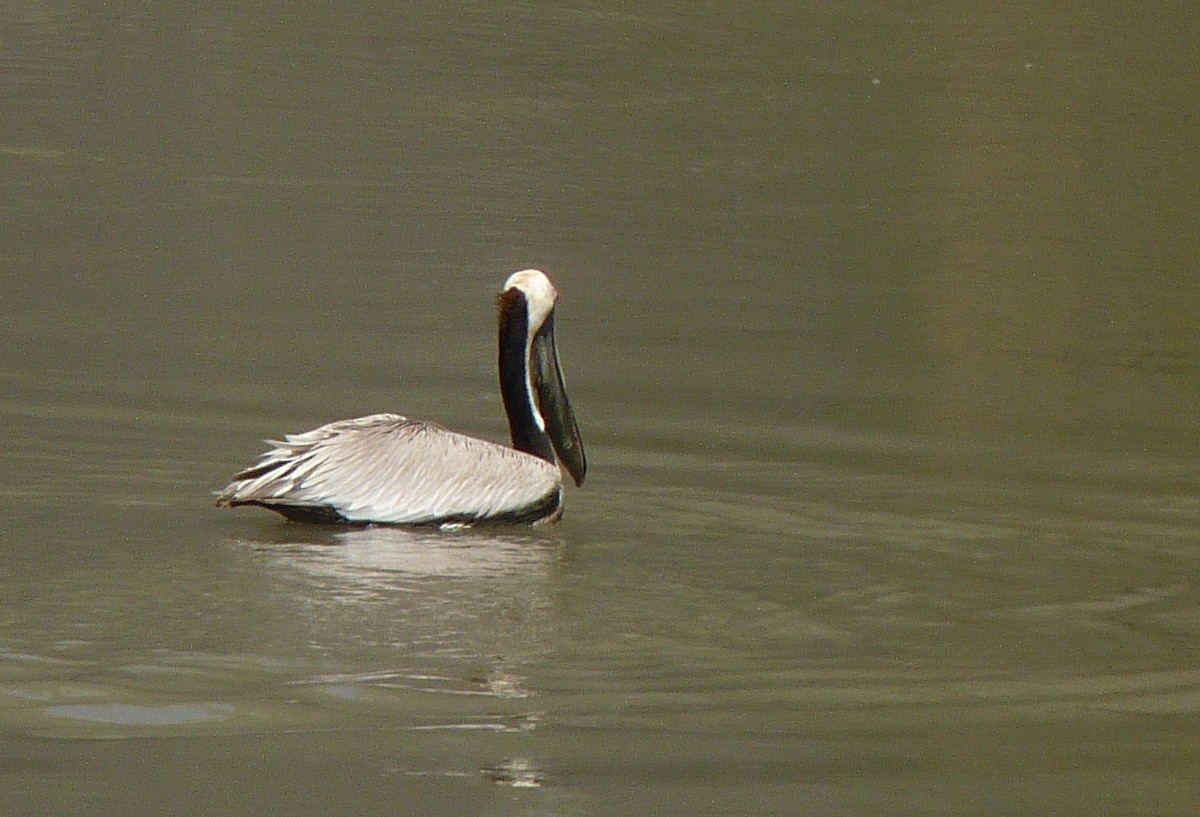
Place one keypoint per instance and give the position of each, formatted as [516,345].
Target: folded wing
[389,469]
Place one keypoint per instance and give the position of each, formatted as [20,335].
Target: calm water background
[883,327]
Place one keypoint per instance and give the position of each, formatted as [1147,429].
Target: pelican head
[540,418]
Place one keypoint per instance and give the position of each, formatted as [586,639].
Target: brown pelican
[389,469]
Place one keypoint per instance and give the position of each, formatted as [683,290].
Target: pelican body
[388,469]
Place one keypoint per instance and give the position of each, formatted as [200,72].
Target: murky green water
[883,329]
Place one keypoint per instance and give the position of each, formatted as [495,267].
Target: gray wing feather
[387,468]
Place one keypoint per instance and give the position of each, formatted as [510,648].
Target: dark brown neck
[527,436]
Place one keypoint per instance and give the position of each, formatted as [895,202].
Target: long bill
[553,403]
